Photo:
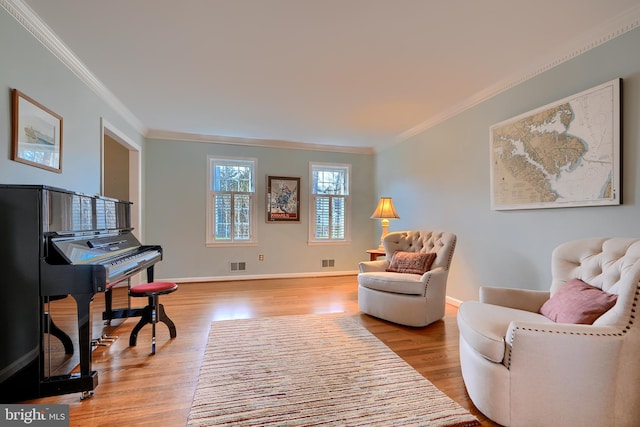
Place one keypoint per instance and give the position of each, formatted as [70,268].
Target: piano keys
[57,243]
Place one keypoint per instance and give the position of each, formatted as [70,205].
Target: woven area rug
[312,370]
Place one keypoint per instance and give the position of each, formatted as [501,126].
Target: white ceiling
[353,73]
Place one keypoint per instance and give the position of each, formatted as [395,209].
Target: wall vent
[328,263]
[237,266]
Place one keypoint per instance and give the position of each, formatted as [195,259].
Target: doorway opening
[121,177]
[121,171]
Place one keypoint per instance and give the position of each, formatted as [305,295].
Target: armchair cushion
[397,283]
[411,262]
[483,326]
[578,302]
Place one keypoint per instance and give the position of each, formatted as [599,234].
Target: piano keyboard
[123,266]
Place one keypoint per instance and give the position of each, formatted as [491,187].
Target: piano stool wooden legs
[154,311]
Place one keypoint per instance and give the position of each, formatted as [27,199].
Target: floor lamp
[385,211]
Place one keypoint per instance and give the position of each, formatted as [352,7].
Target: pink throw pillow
[411,262]
[578,302]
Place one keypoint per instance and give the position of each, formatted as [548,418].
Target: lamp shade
[385,209]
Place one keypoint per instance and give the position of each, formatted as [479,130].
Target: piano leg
[86,380]
[111,313]
[107,315]
[83,302]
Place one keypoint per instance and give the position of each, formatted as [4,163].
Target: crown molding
[32,23]
[607,31]
[254,142]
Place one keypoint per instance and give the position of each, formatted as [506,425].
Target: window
[231,201]
[329,202]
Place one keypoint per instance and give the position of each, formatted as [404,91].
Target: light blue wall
[31,68]
[176,178]
[173,176]
[440,178]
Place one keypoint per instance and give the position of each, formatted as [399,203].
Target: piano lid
[94,250]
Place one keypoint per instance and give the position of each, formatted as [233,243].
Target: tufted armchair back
[440,242]
[610,264]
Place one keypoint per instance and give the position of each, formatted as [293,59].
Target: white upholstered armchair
[415,293]
[525,368]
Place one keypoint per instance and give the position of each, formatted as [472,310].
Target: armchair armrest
[569,353]
[561,332]
[436,284]
[521,299]
[368,266]
[437,274]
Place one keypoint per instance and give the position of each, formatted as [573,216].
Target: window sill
[229,244]
[328,242]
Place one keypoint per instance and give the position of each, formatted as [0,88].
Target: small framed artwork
[283,199]
[36,134]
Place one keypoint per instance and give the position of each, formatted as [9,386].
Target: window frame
[312,239]
[210,239]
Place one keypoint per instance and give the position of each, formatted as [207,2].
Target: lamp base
[385,231]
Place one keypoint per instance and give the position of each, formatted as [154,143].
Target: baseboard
[454,301]
[450,300]
[236,277]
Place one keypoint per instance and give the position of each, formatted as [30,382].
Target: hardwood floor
[137,388]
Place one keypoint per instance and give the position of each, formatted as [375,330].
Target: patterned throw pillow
[578,302]
[411,262]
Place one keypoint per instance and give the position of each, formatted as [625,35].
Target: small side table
[375,253]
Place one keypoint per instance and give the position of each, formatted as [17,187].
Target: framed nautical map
[283,199]
[564,154]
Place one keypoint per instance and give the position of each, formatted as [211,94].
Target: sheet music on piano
[59,243]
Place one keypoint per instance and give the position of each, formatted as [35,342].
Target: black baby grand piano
[55,243]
